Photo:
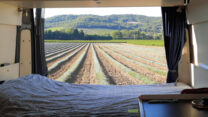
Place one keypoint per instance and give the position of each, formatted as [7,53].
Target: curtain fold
[39,60]
[174,24]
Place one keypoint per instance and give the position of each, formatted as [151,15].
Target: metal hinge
[186,2]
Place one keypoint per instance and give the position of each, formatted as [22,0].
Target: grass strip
[98,70]
[135,42]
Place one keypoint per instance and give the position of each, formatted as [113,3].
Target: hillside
[90,23]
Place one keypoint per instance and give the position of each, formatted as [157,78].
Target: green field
[54,29]
[136,42]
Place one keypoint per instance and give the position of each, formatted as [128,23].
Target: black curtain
[38,49]
[174,24]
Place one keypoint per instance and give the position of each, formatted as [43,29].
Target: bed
[36,95]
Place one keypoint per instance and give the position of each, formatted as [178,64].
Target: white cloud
[148,11]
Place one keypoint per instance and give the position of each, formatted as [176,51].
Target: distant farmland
[106,63]
[135,42]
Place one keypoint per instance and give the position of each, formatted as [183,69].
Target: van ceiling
[92,3]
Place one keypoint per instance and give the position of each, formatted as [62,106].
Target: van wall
[184,67]
[197,15]
[9,19]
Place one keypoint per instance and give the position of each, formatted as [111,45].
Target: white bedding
[37,95]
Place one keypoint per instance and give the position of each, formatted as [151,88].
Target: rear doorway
[105,46]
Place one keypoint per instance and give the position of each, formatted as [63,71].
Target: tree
[125,34]
[143,35]
[81,33]
[116,35]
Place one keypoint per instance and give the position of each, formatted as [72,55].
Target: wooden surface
[7,43]
[9,72]
[92,3]
[25,53]
[179,106]
[184,66]
[9,14]
[173,96]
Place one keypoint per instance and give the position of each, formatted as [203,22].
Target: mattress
[37,95]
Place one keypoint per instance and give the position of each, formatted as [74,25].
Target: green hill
[93,24]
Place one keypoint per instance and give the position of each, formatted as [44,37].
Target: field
[135,42]
[106,63]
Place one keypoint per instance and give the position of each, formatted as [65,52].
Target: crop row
[104,64]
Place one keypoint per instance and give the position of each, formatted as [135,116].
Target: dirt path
[66,66]
[116,74]
[86,74]
[152,75]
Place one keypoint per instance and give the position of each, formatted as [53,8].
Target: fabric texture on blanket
[37,95]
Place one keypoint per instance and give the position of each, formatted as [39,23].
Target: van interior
[25,89]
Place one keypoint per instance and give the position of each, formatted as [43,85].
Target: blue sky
[148,11]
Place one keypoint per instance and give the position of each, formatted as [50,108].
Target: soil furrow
[137,59]
[129,71]
[158,53]
[86,74]
[61,57]
[57,65]
[66,65]
[60,54]
[118,76]
[52,55]
[61,50]
[101,76]
[135,53]
[109,77]
[154,76]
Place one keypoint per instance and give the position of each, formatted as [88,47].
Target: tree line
[72,34]
[136,35]
[75,34]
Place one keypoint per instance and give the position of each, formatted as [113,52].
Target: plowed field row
[135,67]
[98,63]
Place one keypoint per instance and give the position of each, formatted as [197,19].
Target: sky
[148,11]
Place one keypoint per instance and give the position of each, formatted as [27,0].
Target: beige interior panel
[197,11]
[184,67]
[7,43]
[200,77]
[93,3]
[9,14]
[201,34]
[197,16]
[25,53]
[9,72]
